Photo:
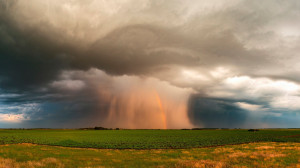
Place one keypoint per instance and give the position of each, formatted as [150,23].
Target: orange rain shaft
[163,114]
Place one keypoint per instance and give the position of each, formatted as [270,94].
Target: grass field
[262,154]
[149,148]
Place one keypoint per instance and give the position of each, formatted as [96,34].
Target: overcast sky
[149,63]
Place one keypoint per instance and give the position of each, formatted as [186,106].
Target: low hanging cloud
[213,64]
[119,101]
[216,113]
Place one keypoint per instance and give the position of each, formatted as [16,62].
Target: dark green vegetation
[145,139]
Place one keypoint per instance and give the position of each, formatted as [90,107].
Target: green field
[145,139]
[149,148]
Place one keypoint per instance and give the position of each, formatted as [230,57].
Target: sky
[154,64]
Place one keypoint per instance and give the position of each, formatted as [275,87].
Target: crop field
[145,139]
[149,148]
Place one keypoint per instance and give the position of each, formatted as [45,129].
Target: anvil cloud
[149,63]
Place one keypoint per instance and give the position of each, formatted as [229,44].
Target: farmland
[149,148]
[262,154]
[145,139]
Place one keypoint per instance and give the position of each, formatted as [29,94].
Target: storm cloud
[126,63]
[203,112]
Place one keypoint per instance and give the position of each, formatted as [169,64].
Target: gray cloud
[247,51]
[216,113]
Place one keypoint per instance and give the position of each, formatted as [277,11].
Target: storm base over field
[152,64]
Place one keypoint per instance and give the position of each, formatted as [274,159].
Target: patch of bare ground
[238,154]
[223,149]
[268,155]
[290,148]
[11,163]
[200,164]
[265,147]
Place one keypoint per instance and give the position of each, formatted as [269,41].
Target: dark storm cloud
[33,56]
[210,112]
[76,112]
[32,59]
[247,51]
[28,59]
[139,49]
[215,113]
[58,107]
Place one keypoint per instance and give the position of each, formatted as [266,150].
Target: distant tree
[100,128]
[197,128]
[253,130]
